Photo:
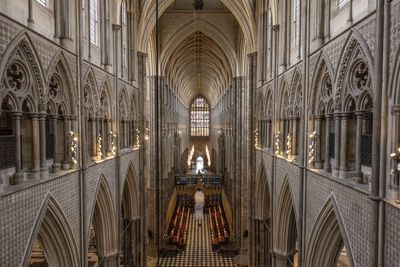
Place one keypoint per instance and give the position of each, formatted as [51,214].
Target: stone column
[109,137]
[335,168]
[294,136]
[103,138]
[43,164]
[327,20]
[281,260]
[358,173]
[18,175]
[318,161]
[343,147]
[35,147]
[93,136]
[86,153]
[327,163]
[66,163]
[127,133]
[267,134]
[263,243]
[99,133]
[56,158]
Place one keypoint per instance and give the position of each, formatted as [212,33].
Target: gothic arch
[130,218]
[285,232]
[284,98]
[59,68]
[324,70]
[262,199]
[328,237]
[106,98]
[355,49]
[394,85]
[203,26]
[130,193]
[241,10]
[20,58]
[52,229]
[91,91]
[104,220]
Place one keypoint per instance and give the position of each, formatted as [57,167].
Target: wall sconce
[74,148]
[137,139]
[146,134]
[99,144]
[191,153]
[394,172]
[311,149]
[278,143]
[208,156]
[289,145]
[113,147]
[256,141]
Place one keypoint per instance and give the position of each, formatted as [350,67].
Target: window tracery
[200,117]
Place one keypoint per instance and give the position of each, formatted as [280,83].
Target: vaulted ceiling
[201,50]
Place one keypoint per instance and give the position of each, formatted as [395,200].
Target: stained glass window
[200,117]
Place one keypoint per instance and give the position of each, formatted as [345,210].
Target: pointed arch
[106,98]
[103,219]
[130,193]
[21,52]
[324,70]
[285,221]
[53,231]
[241,10]
[209,30]
[354,48]
[328,237]
[262,194]
[393,92]
[91,91]
[59,67]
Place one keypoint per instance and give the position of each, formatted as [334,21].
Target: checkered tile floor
[198,251]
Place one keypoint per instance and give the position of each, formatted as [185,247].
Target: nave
[198,252]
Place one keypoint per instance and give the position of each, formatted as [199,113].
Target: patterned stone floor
[198,251]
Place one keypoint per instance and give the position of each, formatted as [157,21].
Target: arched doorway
[130,231]
[328,246]
[102,234]
[53,243]
[285,231]
[262,224]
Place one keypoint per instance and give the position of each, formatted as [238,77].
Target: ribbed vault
[195,63]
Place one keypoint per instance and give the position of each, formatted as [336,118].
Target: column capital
[116,27]
[54,116]
[345,115]
[328,116]
[16,115]
[396,110]
[68,117]
[34,116]
[360,113]
[275,27]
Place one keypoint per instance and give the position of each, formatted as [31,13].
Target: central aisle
[198,251]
